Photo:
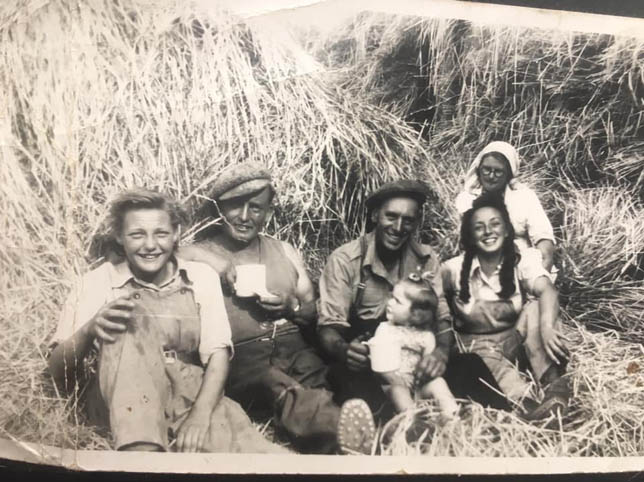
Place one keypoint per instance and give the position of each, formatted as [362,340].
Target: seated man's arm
[333,342]
[220,262]
[334,308]
[301,307]
[355,355]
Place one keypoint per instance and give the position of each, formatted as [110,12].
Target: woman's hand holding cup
[112,319]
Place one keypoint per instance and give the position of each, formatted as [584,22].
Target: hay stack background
[102,95]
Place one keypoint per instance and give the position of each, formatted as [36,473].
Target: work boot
[556,399]
[553,373]
[356,428]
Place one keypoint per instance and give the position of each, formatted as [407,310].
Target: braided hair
[510,255]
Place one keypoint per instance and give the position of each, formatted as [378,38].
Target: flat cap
[240,180]
[417,190]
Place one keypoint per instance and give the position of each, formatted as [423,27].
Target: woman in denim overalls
[154,320]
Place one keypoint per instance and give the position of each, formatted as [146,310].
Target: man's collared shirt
[486,311]
[111,281]
[341,276]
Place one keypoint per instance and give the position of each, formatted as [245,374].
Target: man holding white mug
[272,298]
[355,286]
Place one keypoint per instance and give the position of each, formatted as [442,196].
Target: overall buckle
[170,356]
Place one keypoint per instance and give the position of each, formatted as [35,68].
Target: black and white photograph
[321,237]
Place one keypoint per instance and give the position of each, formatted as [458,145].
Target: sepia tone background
[102,95]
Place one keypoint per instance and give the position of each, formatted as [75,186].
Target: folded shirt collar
[121,274]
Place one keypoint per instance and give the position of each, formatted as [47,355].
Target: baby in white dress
[410,319]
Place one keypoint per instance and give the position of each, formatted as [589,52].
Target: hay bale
[605,419]
[602,237]
[104,95]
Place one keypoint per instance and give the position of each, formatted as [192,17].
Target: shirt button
[136,296]
[183,291]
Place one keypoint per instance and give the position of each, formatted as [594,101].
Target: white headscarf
[472,183]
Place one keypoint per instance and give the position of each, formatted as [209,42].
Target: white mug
[384,354]
[251,280]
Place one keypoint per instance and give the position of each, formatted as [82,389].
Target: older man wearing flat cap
[273,365]
[356,284]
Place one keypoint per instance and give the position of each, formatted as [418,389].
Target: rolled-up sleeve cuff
[205,357]
[333,324]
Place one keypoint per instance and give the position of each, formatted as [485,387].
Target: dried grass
[602,238]
[102,95]
[605,419]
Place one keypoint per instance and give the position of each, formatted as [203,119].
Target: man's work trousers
[286,374]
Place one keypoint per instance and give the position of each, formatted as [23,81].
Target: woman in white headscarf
[494,170]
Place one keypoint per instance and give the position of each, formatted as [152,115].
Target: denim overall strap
[132,370]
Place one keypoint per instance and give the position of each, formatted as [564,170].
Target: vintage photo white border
[319,464]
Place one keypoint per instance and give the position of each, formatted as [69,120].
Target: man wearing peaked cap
[273,365]
[416,190]
[356,284]
[241,180]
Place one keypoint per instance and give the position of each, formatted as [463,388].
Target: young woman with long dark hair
[490,288]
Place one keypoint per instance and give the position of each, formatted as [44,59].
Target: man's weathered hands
[228,275]
[278,305]
[112,319]
[357,356]
[433,365]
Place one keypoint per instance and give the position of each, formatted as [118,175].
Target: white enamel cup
[251,280]
[384,354]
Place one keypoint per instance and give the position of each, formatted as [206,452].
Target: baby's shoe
[356,428]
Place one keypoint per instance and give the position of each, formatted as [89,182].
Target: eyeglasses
[489,171]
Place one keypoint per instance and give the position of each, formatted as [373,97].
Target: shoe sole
[356,428]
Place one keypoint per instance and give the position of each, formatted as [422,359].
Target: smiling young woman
[148,239]
[494,170]
[503,300]
[158,326]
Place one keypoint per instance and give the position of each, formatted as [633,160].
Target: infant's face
[399,307]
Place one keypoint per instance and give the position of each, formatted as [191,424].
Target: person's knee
[141,447]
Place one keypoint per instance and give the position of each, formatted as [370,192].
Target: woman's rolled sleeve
[531,268]
[537,222]
[215,328]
